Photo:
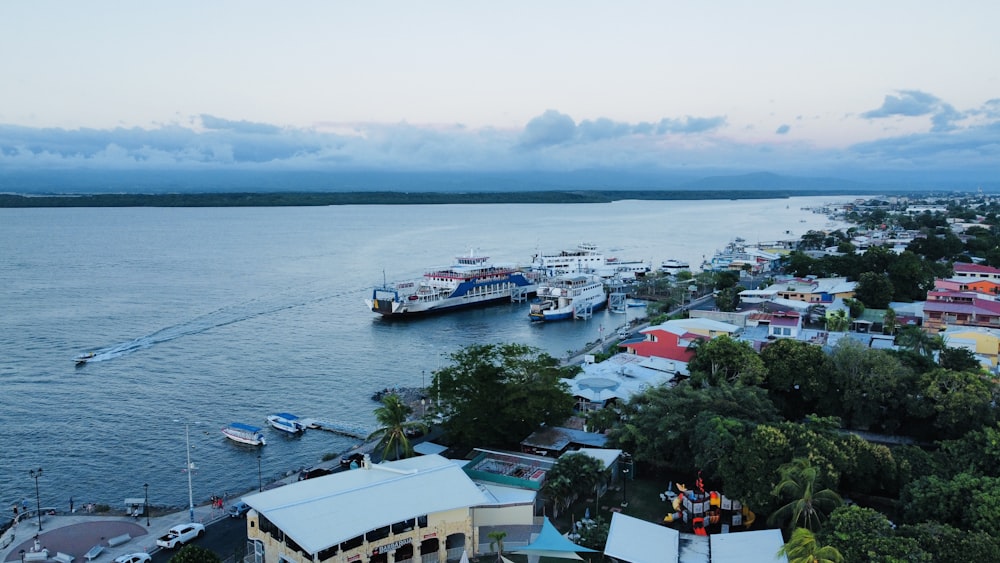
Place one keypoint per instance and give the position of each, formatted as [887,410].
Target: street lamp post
[260,481]
[38,503]
[187,439]
[627,460]
[145,507]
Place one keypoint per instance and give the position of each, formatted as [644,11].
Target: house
[968,271]
[983,342]
[945,309]
[672,339]
[555,441]
[425,508]
[631,540]
[620,377]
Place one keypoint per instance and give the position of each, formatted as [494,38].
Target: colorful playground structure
[706,512]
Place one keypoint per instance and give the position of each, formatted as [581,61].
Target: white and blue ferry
[472,281]
[568,296]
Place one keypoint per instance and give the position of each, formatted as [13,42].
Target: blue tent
[550,543]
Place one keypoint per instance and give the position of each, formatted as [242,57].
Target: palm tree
[889,321]
[496,538]
[807,508]
[802,548]
[393,422]
[917,340]
[838,321]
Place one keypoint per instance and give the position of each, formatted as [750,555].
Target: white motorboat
[286,423]
[244,434]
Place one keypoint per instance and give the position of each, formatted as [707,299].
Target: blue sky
[806,88]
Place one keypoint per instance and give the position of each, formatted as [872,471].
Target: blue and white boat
[472,281]
[244,434]
[568,296]
[286,423]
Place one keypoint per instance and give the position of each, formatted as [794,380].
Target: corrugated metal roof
[321,512]
[637,541]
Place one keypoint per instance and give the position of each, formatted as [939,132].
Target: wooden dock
[337,428]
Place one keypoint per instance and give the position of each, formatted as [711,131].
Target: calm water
[206,316]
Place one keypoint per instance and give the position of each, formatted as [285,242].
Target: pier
[337,428]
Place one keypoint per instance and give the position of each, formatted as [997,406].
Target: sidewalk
[75,534]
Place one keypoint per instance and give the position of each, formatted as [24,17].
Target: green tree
[919,341]
[392,418]
[957,401]
[496,538]
[728,299]
[580,471]
[863,534]
[802,547]
[868,387]
[837,321]
[958,359]
[874,290]
[723,359]
[889,321]
[191,553]
[808,506]
[797,375]
[659,423]
[947,544]
[495,394]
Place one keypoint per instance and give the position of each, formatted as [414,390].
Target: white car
[181,534]
[140,557]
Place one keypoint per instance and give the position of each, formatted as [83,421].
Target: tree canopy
[496,394]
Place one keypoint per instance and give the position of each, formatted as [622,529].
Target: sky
[806,88]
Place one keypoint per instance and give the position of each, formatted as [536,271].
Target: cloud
[909,103]
[550,128]
[690,124]
[914,103]
[249,127]
[552,141]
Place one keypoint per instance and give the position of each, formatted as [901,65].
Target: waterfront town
[828,398]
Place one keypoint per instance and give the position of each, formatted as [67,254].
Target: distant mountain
[212,181]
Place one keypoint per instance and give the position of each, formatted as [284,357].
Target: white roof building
[377,509]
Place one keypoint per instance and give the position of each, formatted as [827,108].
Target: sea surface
[201,317]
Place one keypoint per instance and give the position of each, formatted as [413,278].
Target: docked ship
[586,258]
[568,296]
[472,281]
[673,266]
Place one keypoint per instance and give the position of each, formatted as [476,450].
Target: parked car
[238,509]
[180,535]
[313,472]
[138,557]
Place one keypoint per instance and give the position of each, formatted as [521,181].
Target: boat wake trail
[221,317]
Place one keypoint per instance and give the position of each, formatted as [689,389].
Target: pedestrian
[71,505]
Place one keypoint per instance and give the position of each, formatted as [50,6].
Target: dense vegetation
[279,199]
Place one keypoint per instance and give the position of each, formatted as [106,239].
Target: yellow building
[421,509]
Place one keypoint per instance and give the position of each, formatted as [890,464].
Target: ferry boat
[244,434]
[568,296]
[286,423]
[586,258]
[673,267]
[472,281]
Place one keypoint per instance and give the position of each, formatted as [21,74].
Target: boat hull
[285,424]
[243,438]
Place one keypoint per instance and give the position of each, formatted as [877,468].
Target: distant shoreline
[306,199]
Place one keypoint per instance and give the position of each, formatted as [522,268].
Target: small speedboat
[635,303]
[84,358]
[286,423]
[244,434]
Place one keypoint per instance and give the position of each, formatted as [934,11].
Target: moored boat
[586,258]
[244,434]
[286,423]
[472,281]
[568,296]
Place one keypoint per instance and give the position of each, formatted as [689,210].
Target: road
[226,538]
